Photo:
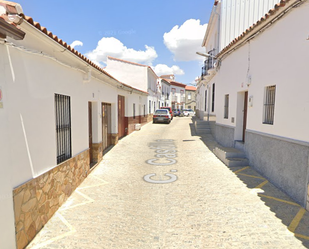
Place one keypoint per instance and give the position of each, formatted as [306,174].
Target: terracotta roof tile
[69,48]
[190,88]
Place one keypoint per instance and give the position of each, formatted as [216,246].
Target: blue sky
[162,34]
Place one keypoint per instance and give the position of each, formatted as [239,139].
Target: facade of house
[139,76]
[259,84]
[177,92]
[58,112]
[165,92]
[190,97]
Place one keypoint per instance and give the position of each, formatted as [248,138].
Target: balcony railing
[209,63]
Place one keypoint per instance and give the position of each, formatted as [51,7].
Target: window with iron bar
[269,105]
[63,127]
[226,106]
[134,111]
[213,97]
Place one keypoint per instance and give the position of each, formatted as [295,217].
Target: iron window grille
[226,106]
[134,111]
[205,100]
[63,127]
[269,105]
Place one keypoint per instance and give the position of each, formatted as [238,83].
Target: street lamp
[206,55]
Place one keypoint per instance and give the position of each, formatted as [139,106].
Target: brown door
[106,125]
[245,116]
[90,131]
[121,116]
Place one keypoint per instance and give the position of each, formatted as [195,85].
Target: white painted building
[260,87]
[58,112]
[165,92]
[137,75]
[177,92]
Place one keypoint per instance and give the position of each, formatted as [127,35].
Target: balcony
[174,98]
[209,63]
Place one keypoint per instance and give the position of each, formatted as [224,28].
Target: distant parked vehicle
[169,109]
[188,112]
[177,112]
[161,115]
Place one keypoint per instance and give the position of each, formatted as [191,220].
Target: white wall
[133,75]
[7,226]
[238,15]
[279,56]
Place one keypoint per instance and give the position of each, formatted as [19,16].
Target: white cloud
[76,43]
[110,46]
[162,69]
[186,40]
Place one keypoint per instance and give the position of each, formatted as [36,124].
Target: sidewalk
[208,205]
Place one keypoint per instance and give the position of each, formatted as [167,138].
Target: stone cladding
[36,201]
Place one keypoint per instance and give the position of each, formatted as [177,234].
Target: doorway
[91,159]
[245,116]
[121,116]
[106,126]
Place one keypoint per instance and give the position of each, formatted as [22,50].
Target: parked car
[177,112]
[161,115]
[188,112]
[169,109]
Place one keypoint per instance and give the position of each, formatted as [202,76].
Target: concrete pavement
[162,187]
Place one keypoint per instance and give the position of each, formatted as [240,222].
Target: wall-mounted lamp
[206,55]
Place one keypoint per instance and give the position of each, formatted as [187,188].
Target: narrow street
[201,203]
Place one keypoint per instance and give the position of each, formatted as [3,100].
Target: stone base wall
[114,138]
[307,206]
[224,135]
[36,201]
[97,152]
[132,121]
[283,161]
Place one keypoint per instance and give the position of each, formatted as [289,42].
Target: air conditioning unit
[138,127]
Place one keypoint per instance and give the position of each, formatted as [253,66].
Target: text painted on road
[165,155]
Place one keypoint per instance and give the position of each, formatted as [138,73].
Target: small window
[134,111]
[63,127]
[226,106]
[269,105]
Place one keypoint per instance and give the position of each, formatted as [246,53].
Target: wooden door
[121,116]
[245,116]
[106,125]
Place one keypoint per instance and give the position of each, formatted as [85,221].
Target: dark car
[177,113]
[169,109]
[161,115]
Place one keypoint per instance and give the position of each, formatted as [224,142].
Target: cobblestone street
[201,203]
